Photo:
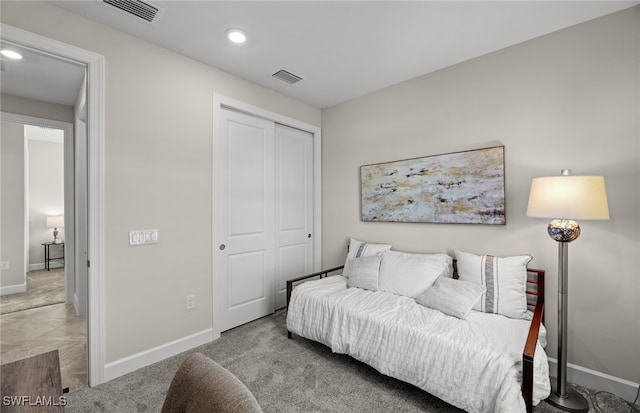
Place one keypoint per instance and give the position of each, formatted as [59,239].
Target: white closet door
[244,225]
[294,207]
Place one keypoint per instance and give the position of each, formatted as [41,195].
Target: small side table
[47,254]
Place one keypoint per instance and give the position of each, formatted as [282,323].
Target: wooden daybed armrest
[532,339]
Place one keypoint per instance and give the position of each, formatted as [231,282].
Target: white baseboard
[40,266]
[36,267]
[13,289]
[596,380]
[145,358]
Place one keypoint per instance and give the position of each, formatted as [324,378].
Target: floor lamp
[565,198]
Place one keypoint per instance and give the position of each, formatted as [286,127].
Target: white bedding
[474,364]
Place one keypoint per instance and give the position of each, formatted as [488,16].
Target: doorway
[266,224]
[94,258]
[46,315]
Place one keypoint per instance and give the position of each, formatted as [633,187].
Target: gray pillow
[363,272]
[452,297]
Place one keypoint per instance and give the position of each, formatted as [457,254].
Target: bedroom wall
[569,99]
[159,116]
[46,197]
[36,108]
[12,151]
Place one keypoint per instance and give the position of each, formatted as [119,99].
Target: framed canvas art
[462,188]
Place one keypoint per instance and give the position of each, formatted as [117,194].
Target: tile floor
[30,332]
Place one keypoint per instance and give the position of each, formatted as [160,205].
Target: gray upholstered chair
[202,385]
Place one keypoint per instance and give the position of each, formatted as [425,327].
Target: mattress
[474,364]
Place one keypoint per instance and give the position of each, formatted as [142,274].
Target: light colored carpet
[285,376]
[43,288]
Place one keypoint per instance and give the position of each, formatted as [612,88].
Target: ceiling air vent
[286,77]
[141,9]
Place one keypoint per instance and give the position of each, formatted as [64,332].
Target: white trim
[96,201]
[26,200]
[36,267]
[220,102]
[95,136]
[596,380]
[156,354]
[13,289]
[70,213]
[52,265]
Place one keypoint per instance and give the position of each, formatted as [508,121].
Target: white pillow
[359,249]
[505,279]
[363,272]
[452,297]
[410,274]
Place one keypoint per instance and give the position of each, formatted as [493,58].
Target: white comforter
[474,364]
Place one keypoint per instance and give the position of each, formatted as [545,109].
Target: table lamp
[55,222]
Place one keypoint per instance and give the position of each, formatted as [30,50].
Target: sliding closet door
[263,215]
[244,228]
[294,207]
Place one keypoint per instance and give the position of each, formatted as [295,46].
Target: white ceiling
[343,49]
[41,77]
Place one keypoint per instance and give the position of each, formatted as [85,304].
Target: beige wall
[566,100]
[46,196]
[36,108]
[159,116]
[12,207]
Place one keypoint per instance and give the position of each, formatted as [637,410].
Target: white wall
[36,108]
[566,100]
[159,116]
[12,152]
[46,197]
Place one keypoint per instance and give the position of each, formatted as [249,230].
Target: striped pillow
[364,272]
[505,279]
[359,249]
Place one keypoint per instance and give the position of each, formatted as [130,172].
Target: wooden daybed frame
[535,302]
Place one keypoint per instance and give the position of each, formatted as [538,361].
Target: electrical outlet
[190,302]
[4,265]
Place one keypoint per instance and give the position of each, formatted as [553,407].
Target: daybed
[480,361]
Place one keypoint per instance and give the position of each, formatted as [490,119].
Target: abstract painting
[462,188]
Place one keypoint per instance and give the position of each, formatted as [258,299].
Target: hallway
[39,330]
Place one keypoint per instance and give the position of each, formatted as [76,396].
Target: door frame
[95,192]
[221,102]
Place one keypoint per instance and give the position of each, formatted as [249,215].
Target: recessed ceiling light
[11,54]
[237,36]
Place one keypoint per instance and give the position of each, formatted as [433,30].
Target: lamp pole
[564,231]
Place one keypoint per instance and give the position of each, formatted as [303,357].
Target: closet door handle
[222,247]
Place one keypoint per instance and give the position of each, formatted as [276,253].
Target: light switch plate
[144,237]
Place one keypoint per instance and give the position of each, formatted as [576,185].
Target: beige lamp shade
[56,221]
[568,197]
